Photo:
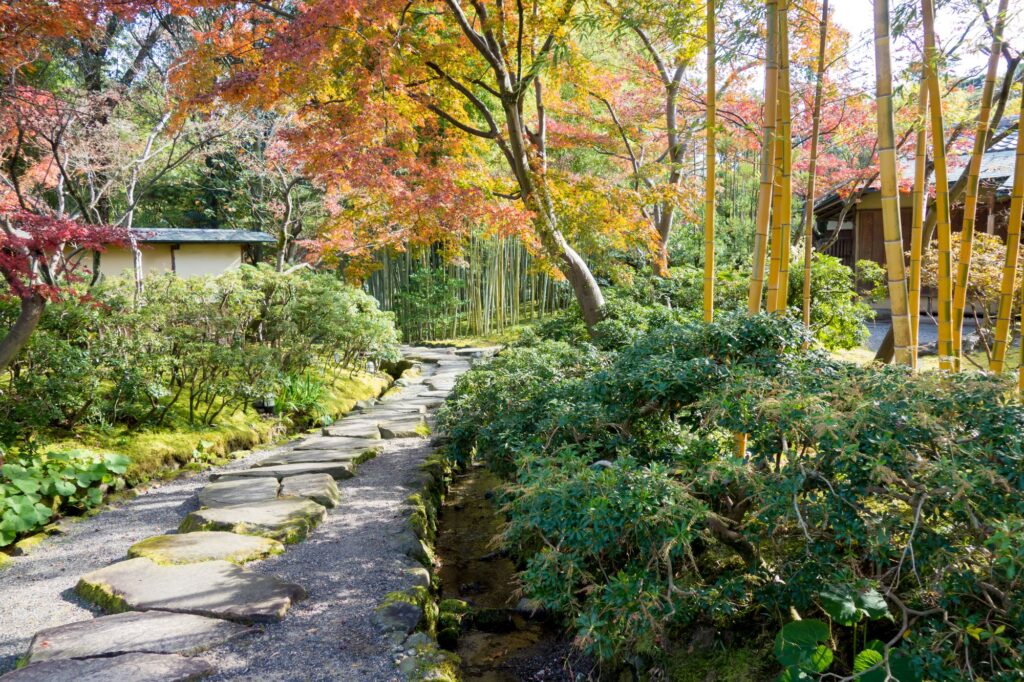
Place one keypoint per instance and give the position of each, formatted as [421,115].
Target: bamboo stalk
[894,263]
[764,197]
[920,199]
[973,182]
[1009,280]
[944,230]
[812,167]
[785,189]
[709,172]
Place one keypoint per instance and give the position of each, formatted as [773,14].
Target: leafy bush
[838,313]
[201,347]
[35,487]
[634,514]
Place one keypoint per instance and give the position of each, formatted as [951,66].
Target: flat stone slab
[358,428]
[403,428]
[320,488]
[286,519]
[150,632]
[339,443]
[124,668]
[229,493]
[338,469]
[212,588]
[410,406]
[191,548]
[319,456]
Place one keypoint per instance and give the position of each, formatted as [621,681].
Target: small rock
[420,576]
[398,616]
[529,607]
[417,639]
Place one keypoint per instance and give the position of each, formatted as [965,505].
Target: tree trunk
[813,165]
[973,180]
[1009,279]
[28,319]
[764,197]
[945,260]
[920,199]
[709,173]
[894,262]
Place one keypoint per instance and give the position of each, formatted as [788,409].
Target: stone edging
[412,618]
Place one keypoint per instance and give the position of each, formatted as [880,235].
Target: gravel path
[347,566]
[36,591]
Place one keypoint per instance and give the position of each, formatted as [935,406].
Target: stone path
[188,600]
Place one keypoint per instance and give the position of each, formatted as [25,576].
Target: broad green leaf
[865,660]
[873,604]
[840,604]
[797,642]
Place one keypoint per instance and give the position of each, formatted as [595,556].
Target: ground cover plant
[869,524]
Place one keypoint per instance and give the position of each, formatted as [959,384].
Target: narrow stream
[501,645]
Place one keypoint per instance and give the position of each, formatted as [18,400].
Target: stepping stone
[403,428]
[358,428]
[212,588]
[402,407]
[315,456]
[340,443]
[125,668]
[149,632]
[285,519]
[339,469]
[191,548]
[320,488]
[228,493]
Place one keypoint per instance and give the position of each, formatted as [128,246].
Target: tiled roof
[176,235]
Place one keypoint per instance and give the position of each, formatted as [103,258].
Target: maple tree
[41,260]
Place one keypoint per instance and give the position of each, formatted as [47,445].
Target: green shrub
[199,348]
[634,515]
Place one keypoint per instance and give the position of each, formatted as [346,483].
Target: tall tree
[413,111]
[894,262]
[782,193]
[1004,320]
[812,167]
[767,164]
[919,197]
[973,184]
[710,184]
[943,225]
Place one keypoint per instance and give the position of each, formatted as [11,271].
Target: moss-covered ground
[177,446]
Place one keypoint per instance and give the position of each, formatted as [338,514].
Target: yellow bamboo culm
[786,175]
[767,175]
[942,223]
[813,166]
[709,172]
[920,198]
[894,263]
[775,240]
[1008,283]
[963,267]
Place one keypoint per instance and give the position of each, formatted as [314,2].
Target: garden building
[186,252]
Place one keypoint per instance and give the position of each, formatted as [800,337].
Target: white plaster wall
[206,259]
[189,260]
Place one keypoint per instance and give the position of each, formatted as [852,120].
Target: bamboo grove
[772,227]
